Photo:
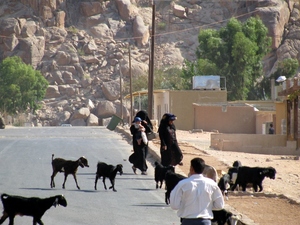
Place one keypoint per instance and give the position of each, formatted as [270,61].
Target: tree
[235,52]
[21,87]
[286,67]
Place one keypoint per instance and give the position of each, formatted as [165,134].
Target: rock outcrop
[82,47]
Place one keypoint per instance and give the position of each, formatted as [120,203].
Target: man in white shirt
[196,196]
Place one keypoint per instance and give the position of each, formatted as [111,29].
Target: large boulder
[179,11]
[101,31]
[111,90]
[52,92]
[275,15]
[137,68]
[82,113]
[10,43]
[9,26]
[92,120]
[105,109]
[125,8]
[90,8]
[140,31]
[32,49]
[67,90]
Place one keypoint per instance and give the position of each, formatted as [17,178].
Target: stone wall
[254,143]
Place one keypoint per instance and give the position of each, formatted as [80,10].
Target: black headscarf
[164,122]
[144,116]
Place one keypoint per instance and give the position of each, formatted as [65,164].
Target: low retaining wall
[254,143]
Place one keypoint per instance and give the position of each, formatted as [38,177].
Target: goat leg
[96,180]
[11,220]
[4,217]
[63,186]
[244,187]
[74,175]
[112,181]
[161,183]
[260,187]
[37,220]
[103,180]
[166,198]
[52,184]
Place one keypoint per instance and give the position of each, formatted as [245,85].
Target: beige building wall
[281,115]
[254,143]
[226,119]
[181,102]
[263,117]
[161,105]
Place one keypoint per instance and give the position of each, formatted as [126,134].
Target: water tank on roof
[211,82]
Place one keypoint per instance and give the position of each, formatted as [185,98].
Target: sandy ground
[279,201]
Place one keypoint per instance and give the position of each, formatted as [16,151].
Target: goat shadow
[53,189]
[152,205]
[142,189]
[80,174]
[38,189]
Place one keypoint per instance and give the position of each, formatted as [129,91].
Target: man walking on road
[196,196]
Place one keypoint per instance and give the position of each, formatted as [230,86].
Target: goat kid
[35,207]
[224,217]
[110,171]
[68,167]
[224,184]
[227,180]
[160,173]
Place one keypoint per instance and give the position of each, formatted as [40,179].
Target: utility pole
[130,78]
[121,95]
[151,67]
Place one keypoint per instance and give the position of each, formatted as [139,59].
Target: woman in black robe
[170,152]
[146,122]
[140,147]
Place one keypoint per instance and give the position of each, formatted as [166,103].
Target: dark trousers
[198,221]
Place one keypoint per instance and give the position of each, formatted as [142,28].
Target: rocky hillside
[81,47]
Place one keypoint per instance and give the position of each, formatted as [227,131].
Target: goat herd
[36,207]
[237,175]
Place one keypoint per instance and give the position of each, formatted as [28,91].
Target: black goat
[160,173]
[232,172]
[224,217]
[35,207]
[68,167]
[237,164]
[171,180]
[254,175]
[221,217]
[224,184]
[110,171]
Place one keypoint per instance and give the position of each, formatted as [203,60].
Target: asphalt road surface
[25,169]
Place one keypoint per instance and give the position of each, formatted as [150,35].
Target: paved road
[25,169]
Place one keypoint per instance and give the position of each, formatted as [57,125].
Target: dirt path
[278,204]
